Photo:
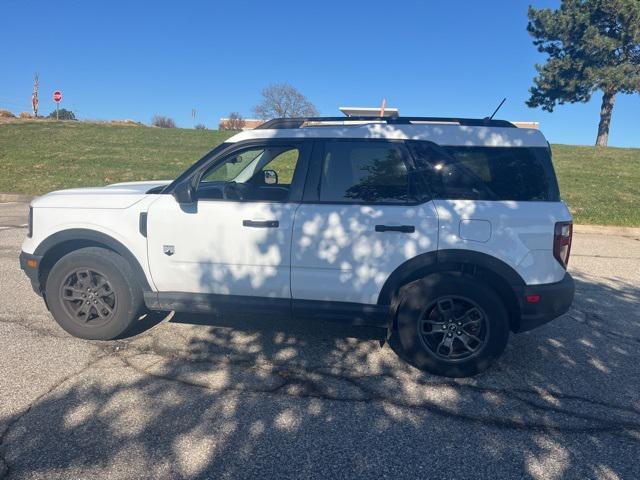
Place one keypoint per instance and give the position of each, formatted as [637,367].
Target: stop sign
[57,96]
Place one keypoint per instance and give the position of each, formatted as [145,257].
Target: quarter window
[486,173]
[363,172]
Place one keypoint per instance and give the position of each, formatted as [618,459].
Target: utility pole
[34,95]
[193,117]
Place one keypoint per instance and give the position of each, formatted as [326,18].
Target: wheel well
[55,253]
[506,293]
[60,244]
[488,277]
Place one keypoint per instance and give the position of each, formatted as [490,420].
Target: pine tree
[593,45]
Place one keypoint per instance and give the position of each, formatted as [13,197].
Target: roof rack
[300,122]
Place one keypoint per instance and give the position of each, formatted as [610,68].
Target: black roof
[284,123]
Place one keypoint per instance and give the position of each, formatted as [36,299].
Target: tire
[451,325]
[92,293]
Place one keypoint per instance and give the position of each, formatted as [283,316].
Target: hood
[117,195]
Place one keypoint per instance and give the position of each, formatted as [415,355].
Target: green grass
[38,157]
[600,185]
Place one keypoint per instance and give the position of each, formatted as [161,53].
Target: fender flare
[83,236]
[443,260]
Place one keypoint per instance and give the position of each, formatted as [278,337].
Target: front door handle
[261,223]
[396,228]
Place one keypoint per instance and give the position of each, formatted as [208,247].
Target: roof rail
[300,122]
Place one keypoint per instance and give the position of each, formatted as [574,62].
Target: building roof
[535,125]
[369,112]
[249,123]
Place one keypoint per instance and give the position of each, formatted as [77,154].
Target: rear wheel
[451,325]
[92,293]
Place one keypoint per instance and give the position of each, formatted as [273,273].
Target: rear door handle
[261,223]
[396,228]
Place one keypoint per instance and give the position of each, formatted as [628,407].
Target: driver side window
[255,174]
[233,166]
[284,165]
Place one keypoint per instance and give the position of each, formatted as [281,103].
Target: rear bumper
[555,300]
[32,272]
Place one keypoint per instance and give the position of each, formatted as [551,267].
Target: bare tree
[281,100]
[162,122]
[234,122]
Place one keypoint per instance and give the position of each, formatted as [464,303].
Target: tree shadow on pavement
[202,397]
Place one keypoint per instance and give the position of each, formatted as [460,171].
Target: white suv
[447,233]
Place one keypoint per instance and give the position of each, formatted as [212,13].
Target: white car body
[319,252]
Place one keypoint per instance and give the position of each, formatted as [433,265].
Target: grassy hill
[600,185]
[40,156]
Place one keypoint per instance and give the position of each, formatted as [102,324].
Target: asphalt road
[244,399]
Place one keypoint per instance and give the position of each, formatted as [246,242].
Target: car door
[363,215]
[235,238]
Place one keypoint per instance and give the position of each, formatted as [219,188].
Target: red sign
[57,96]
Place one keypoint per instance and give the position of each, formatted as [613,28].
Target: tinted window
[363,172]
[487,173]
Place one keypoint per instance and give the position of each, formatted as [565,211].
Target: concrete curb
[15,197]
[607,230]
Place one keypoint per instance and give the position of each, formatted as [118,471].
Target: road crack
[297,383]
[596,322]
[4,465]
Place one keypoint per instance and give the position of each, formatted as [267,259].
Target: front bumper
[33,272]
[554,300]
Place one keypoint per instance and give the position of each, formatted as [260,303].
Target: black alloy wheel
[453,328]
[88,297]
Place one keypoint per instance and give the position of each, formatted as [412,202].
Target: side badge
[168,249]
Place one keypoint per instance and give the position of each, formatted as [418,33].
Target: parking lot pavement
[13,215]
[252,398]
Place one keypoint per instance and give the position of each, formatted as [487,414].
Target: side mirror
[270,177]
[184,193]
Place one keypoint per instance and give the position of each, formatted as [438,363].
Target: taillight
[562,242]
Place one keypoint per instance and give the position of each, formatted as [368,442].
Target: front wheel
[451,325]
[92,293]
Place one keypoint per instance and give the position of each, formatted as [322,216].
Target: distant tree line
[63,114]
[163,122]
[279,100]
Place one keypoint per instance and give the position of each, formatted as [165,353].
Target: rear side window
[487,173]
[363,172]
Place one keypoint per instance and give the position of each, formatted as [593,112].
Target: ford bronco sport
[447,232]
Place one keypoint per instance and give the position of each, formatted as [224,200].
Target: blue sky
[133,59]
